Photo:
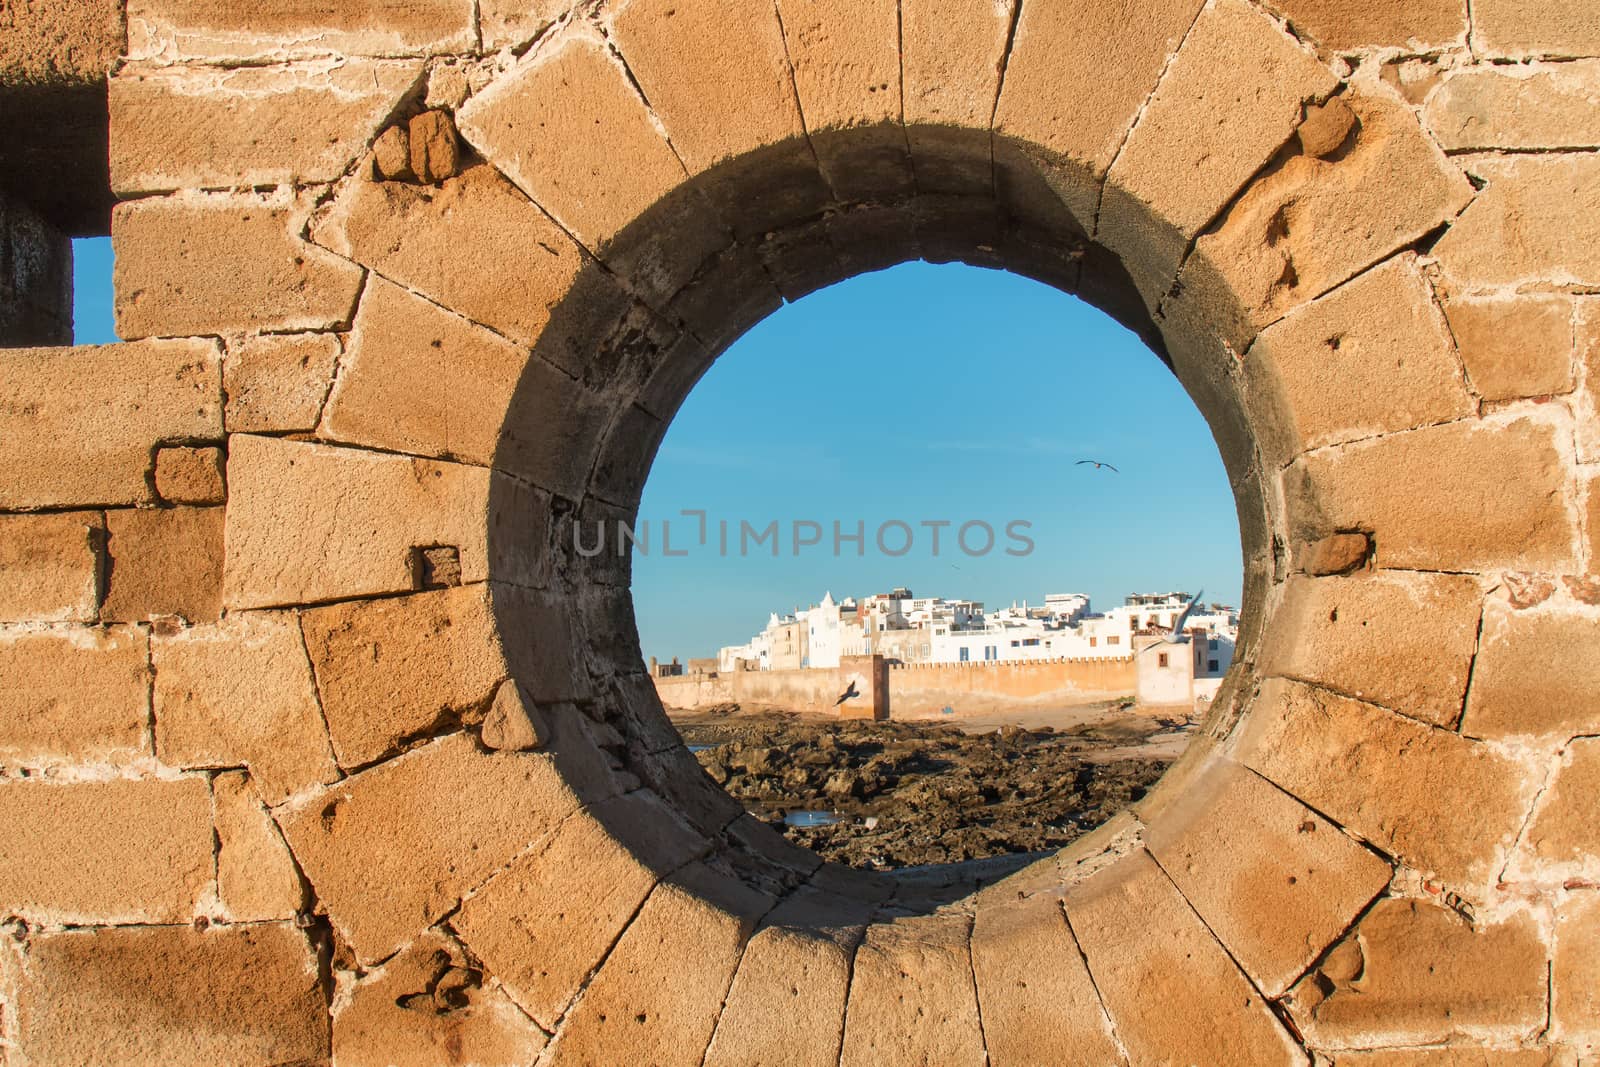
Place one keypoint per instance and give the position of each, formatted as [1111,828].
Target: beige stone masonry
[950,94]
[510,23]
[1537,222]
[140,851]
[202,128]
[1543,106]
[1575,968]
[1411,25]
[1588,403]
[74,693]
[203,264]
[1415,972]
[52,566]
[1171,990]
[278,382]
[430,1005]
[169,30]
[1272,879]
[1536,27]
[1515,346]
[186,475]
[164,561]
[1403,641]
[1536,673]
[248,996]
[1393,781]
[80,422]
[256,877]
[912,997]
[1469,1054]
[1564,829]
[240,693]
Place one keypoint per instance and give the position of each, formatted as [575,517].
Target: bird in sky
[848,694]
[1097,465]
[1178,637]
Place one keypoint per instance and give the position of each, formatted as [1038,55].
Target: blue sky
[918,394]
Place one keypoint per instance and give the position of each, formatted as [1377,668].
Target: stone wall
[980,688]
[816,690]
[321,743]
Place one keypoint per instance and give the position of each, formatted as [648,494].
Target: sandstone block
[1465,1055]
[1536,673]
[513,723]
[912,997]
[52,566]
[209,128]
[1549,106]
[1404,641]
[538,936]
[1039,1003]
[1334,554]
[239,692]
[363,512]
[391,155]
[61,43]
[1537,221]
[1564,830]
[643,998]
[204,264]
[79,422]
[787,1001]
[1465,496]
[431,1005]
[74,694]
[120,851]
[1587,407]
[395,670]
[508,23]
[391,850]
[174,995]
[256,877]
[1371,357]
[208,29]
[1395,782]
[1575,970]
[435,152]
[278,382]
[1416,973]
[1327,127]
[1172,993]
[1514,346]
[1531,27]
[1344,25]
[949,93]
[1275,881]
[164,561]
[1237,77]
[186,475]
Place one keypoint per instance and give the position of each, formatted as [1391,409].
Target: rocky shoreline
[896,794]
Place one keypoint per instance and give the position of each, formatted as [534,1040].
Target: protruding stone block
[278,382]
[52,566]
[912,997]
[256,877]
[74,694]
[239,692]
[187,475]
[1515,346]
[1536,673]
[164,561]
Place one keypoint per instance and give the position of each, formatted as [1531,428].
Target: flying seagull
[1178,637]
[1097,465]
[848,694]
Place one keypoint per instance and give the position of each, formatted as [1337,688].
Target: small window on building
[1094,642]
[963,654]
[1212,645]
[1114,639]
[1161,659]
[1211,666]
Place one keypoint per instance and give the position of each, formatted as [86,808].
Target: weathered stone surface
[1414,973]
[1536,673]
[787,1001]
[1039,1003]
[513,722]
[74,693]
[256,876]
[392,849]
[397,669]
[1173,994]
[391,155]
[1275,881]
[1575,969]
[430,1005]
[1465,496]
[61,43]
[164,561]
[435,152]
[1514,346]
[120,851]
[363,511]
[1536,27]
[1077,77]
[509,23]
[186,475]
[239,692]
[1371,357]
[78,423]
[1341,25]
[210,128]
[1405,641]
[643,998]
[1312,222]
[173,995]
[210,29]
[1334,554]
[1566,828]
[949,93]
[278,382]
[1544,106]
[1326,127]
[51,565]
[1238,78]
[1537,221]
[539,934]
[912,997]
[1395,782]
[1466,1055]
